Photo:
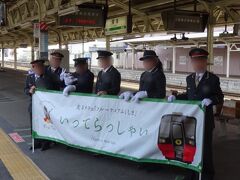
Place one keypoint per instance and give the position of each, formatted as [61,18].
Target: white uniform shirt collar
[152,69]
[53,69]
[106,69]
[200,75]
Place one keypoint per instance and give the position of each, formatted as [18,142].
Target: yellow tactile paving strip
[17,163]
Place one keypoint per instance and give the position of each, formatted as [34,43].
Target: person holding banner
[85,78]
[204,86]
[39,79]
[108,79]
[55,66]
[152,81]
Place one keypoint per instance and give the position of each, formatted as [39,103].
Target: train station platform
[60,162]
[18,165]
[230,85]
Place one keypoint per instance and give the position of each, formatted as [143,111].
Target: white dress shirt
[106,69]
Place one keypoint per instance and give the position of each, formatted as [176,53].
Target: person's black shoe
[45,146]
[36,146]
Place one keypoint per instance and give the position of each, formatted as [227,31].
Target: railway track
[134,86]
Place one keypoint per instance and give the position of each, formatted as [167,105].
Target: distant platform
[229,85]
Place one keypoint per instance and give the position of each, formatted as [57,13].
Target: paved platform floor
[15,164]
[60,163]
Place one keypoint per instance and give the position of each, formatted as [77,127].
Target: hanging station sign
[119,25]
[187,21]
[87,17]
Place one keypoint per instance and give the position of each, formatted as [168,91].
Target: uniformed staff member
[108,79]
[204,86]
[55,63]
[85,78]
[55,66]
[152,81]
[39,79]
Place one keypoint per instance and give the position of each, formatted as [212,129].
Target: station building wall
[183,63]
[235,63]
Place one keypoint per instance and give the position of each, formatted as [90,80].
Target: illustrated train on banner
[177,137]
[151,131]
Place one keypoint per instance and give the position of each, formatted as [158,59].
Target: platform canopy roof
[21,14]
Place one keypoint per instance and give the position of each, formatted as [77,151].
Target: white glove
[126,95]
[171,98]
[68,89]
[62,74]
[138,96]
[30,71]
[69,79]
[206,102]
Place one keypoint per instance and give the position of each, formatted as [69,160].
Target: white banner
[151,131]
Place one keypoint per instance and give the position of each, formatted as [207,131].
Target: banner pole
[200,173]
[33,145]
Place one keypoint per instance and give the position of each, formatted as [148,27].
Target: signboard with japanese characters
[116,26]
[87,17]
[150,131]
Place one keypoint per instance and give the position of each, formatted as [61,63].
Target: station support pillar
[59,39]
[15,58]
[32,53]
[66,46]
[2,57]
[125,61]
[133,57]
[174,60]
[107,43]
[228,61]
[210,31]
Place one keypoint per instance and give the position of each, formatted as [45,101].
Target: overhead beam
[125,7]
[225,3]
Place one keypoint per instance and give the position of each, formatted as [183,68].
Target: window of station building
[218,60]
[2,14]
[117,55]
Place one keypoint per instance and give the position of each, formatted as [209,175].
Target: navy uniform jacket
[154,83]
[208,87]
[109,81]
[46,81]
[85,82]
[57,73]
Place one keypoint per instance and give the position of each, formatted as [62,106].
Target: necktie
[37,77]
[197,80]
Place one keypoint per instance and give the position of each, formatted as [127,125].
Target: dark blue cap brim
[147,57]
